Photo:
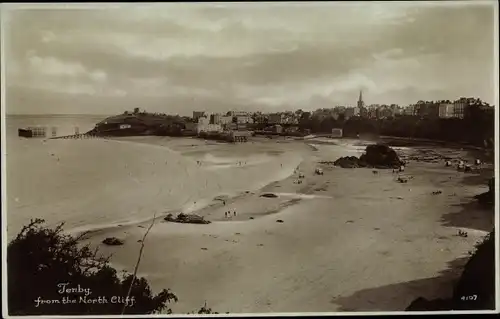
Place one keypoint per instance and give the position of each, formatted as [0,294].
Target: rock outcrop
[488,198]
[187,219]
[375,156]
[269,195]
[113,241]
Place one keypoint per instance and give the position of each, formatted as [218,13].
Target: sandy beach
[350,240]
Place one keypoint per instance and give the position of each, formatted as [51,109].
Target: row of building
[429,109]
[241,118]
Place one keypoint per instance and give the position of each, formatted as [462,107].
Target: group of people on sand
[399,169]
[228,214]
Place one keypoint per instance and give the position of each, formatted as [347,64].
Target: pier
[77,136]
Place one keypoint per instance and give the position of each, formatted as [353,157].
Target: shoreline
[348,218]
[207,205]
[339,232]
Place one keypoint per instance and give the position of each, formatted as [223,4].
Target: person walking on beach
[225,214]
[234,213]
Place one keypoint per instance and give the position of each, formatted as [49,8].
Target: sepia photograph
[249,158]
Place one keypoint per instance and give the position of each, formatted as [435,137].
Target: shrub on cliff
[41,261]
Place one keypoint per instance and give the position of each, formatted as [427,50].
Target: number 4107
[467,298]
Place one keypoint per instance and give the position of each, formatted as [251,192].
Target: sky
[178,58]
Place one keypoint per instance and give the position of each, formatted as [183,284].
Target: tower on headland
[361,104]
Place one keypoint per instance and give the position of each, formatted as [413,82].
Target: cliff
[475,289]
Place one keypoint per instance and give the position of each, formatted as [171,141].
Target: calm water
[94,183]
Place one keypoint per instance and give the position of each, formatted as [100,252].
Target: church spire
[361,104]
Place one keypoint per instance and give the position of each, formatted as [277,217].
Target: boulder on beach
[269,195]
[169,218]
[187,219]
[375,156]
[113,241]
[381,156]
[349,162]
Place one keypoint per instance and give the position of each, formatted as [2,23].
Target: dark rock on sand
[375,156]
[349,162]
[402,180]
[187,219]
[269,195]
[381,156]
[113,241]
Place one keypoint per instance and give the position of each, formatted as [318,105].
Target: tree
[136,110]
[40,260]
[341,118]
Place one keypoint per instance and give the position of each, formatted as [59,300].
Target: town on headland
[465,120]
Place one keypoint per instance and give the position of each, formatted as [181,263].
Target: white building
[244,119]
[225,120]
[337,132]
[409,110]
[205,126]
[446,110]
[238,113]
[459,109]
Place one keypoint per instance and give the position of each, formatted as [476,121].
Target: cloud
[252,56]
[50,66]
